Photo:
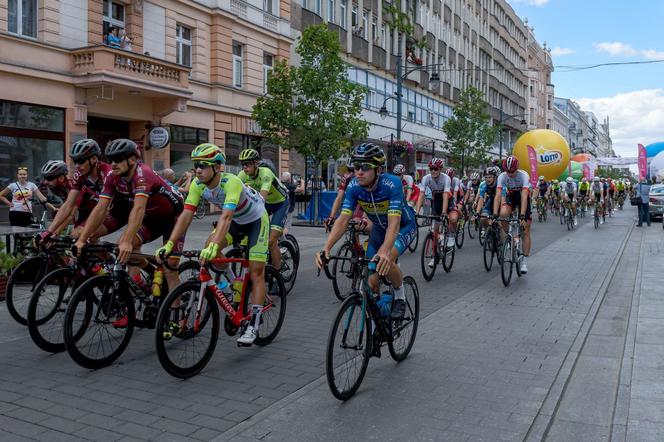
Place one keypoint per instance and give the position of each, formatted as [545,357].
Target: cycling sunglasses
[80,160]
[116,158]
[202,165]
[22,168]
[247,163]
[364,167]
[434,169]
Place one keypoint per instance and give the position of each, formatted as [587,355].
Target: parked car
[656,197]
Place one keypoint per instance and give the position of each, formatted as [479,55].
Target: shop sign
[158,137]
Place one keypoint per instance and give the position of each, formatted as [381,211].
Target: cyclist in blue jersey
[381,197]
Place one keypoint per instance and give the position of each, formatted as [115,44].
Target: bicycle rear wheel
[288,269]
[47,309]
[405,330]
[488,250]
[348,348]
[99,322]
[20,285]
[343,272]
[186,339]
[507,261]
[460,235]
[429,257]
[274,310]
[472,228]
[413,244]
[296,246]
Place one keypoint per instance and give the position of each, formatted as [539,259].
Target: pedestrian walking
[643,192]
[22,192]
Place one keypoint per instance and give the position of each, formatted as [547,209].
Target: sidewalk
[500,364]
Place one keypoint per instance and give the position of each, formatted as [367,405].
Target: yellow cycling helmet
[208,152]
[249,155]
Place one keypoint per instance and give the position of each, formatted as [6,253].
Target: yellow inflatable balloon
[551,148]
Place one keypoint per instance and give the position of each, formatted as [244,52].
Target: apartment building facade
[194,68]
[480,43]
[540,88]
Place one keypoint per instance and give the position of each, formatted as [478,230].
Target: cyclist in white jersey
[512,191]
[569,190]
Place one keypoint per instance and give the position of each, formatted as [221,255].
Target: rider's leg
[275,252]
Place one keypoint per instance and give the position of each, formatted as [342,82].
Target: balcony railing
[103,59]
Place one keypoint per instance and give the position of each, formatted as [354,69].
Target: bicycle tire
[460,232]
[488,252]
[472,228]
[447,257]
[201,210]
[173,366]
[289,265]
[118,303]
[596,221]
[506,264]
[193,267]
[415,241]
[343,321]
[343,270]
[429,252]
[21,284]
[413,314]
[275,296]
[296,246]
[482,238]
[46,325]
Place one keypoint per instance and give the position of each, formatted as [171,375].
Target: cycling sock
[255,315]
[399,293]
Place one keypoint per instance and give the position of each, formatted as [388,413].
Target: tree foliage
[312,108]
[469,132]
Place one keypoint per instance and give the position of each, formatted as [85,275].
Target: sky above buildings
[589,32]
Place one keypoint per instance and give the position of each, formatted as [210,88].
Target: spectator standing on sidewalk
[643,192]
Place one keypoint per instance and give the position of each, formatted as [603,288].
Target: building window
[353,17]
[183,141]
[183,45]
[342,19]
[23,17]
[317,5]
[268,61]
[237,64]
[235,143]
[365,25]
[330,10]
[114,15]
[268,6]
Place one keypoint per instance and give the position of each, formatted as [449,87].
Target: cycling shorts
[583,193]
[258,234]
[437,208]
[279,213]
[487,208]
[513,199]
[377,237]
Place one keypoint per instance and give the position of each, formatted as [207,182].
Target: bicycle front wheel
[348,348]
[405,330]
[429,257]
[506,263]
[343,272]
[472,228]
[488,249]
[20,285]
[413,244]
[47,309]
[99,322]
[460,236]
[184,335]
[448,257]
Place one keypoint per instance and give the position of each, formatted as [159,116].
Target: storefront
[183,141]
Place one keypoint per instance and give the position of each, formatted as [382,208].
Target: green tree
[313,108]
[469,132]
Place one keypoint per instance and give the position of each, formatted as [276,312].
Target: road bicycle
[201,210]
[346,272]
[460,232]
[435,248]
[188,323]
[512,252]
[416,239]
[103,311]
[598,209]
[474,226]
[569,214]
[363,325]
[541,209]
[492,247]
[583,206]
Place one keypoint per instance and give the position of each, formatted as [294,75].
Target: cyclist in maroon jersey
[141,200]
[83,190]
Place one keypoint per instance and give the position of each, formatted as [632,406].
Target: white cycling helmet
[541,177]
[570,179]
[596,179]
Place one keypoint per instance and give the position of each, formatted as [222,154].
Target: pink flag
[532,159]
[586,171]
[643,162]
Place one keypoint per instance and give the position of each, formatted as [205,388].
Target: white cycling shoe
[248,337]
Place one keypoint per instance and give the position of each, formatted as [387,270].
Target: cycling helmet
[436,163]
[510,164]
[570,179]
[449,172]
[122,146]
[399,169]
[464,178]
[249,155]
[596,179]
[84,149]
[541,177]
[53,169]
[208,152]
[555,181]
[583,180]
[475,176]
[493,170]
[368,153]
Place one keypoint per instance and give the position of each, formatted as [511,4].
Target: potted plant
[7,262]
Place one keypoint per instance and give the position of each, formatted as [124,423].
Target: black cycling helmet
[84,149]
[368,153]
[53,169]
[122,147]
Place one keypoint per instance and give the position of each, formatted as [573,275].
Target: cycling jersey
[408,183]
[437,185]
[596,188]
[521,180]
[387,199]
[488,192]
[61,191]
[543,187]
[265,180]
[89,189]
[246,204]
[345,180]
[569,188]
[583,187]
[456,188]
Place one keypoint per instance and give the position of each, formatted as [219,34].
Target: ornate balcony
[101,65]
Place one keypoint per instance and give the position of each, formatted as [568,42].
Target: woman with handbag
[22,191]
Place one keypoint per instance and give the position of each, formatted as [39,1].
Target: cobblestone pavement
[488,362]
